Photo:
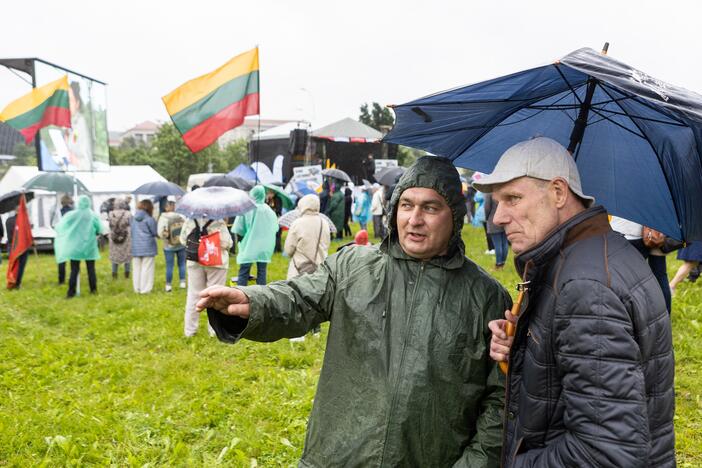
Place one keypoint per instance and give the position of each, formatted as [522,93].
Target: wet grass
[110,380]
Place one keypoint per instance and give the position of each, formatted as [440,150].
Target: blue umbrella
[244,171]
[637,141]
[161,188]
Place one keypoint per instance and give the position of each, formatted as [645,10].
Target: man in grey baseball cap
[591,362]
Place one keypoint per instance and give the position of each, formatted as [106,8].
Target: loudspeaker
[298,141]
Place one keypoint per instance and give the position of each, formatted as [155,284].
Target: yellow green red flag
[43,106]
[205,107]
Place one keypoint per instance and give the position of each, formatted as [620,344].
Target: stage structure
[84,146]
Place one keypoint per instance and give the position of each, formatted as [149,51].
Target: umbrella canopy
[389,175]
[160,188]
[243,171]
[229,181]
[336,174]
[55,182]
[367,184]
[214,203]
[636,140]
[284,197]
[10,200]
[288,218]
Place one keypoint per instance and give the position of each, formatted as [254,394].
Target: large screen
[83,147]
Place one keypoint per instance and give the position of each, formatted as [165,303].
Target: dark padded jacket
[407,380]
[591,367]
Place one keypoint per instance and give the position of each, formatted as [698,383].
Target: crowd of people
[131,238]
[419,335]
[420,327]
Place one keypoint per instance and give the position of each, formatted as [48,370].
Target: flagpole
[258,133]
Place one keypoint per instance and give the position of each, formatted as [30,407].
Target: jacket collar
[591,222]
[451,261]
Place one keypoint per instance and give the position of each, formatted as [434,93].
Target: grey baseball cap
[540,158]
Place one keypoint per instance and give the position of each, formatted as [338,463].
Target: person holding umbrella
[76,240]
[202,276]
[335,209]
[257,229]
[591,365]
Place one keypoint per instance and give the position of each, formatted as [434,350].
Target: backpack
[192,243]
[118,233]
[174,226]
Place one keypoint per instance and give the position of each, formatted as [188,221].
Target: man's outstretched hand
[229,301]
[500,342]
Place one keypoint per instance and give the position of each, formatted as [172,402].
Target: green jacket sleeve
[485,448]
[282,309]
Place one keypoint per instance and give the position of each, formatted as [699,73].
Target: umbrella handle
[511,328]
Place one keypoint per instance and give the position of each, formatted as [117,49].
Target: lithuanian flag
[204,108]
[43,106]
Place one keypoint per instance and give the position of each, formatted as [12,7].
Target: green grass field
[110,379]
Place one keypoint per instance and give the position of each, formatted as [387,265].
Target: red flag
[21,242]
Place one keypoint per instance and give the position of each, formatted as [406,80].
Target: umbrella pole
[510,328]
[576,136]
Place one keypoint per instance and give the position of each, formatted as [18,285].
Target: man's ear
[559,191]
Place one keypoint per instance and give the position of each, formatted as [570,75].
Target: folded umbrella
[637,140]
[214,203]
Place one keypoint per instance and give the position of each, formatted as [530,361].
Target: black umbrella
[336,174]
[389,175]
[229,181]
[10,200]
[160,188]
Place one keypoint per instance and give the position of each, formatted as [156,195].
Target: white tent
[118,181]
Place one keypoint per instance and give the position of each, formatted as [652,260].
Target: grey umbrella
[159,188]
[229,181]
[389,175]
[336,174]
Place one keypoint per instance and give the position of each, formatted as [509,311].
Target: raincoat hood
[84,202]
[309,205]
[140,215]
[440,175]
[258,193]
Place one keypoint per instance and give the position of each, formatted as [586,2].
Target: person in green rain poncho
[76,240]
[257,230]
[335,209]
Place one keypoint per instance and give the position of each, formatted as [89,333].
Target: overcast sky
[320,60]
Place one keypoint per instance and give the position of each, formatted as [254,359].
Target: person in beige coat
[307,241]
[308,238]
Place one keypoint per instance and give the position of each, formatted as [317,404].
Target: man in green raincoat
[335,209]
[257,230]
[407,379]
[76,240]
